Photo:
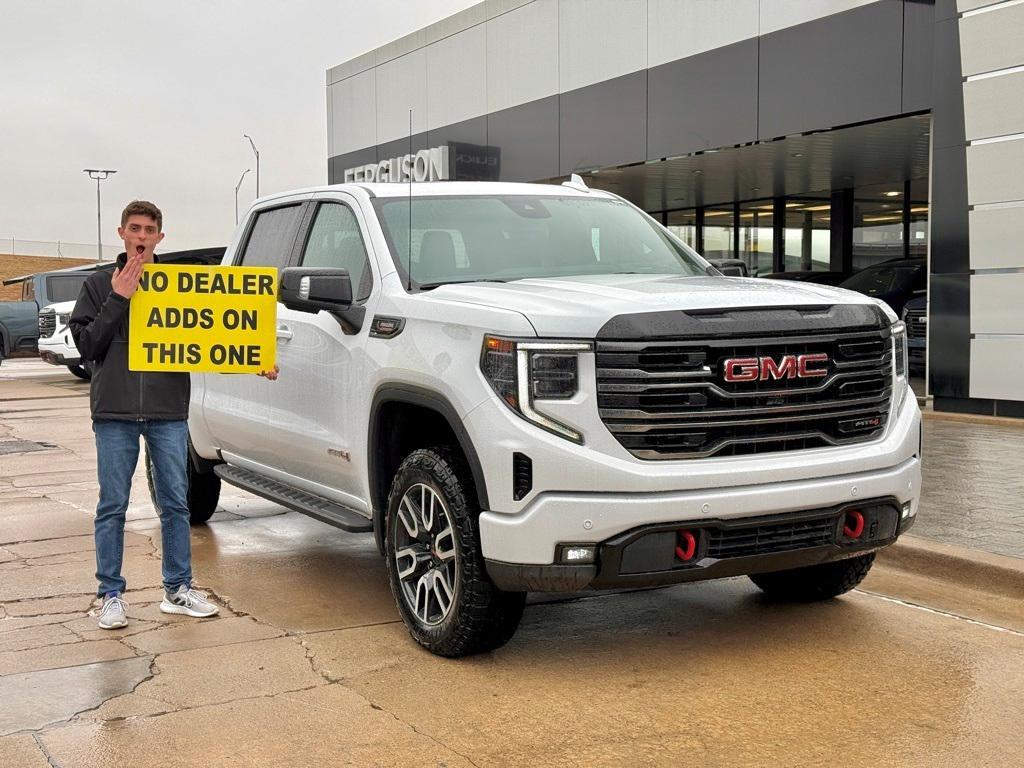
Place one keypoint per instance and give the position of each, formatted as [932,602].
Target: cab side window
[272,237]
[335,242]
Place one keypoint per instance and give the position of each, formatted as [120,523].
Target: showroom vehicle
[522,387]
[894,281]
[822,278]
[915,318]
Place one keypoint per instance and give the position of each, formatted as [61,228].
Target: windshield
[466,239]
[875,281]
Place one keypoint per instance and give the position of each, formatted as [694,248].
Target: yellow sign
[199,319]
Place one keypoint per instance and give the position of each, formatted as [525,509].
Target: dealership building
[793,135]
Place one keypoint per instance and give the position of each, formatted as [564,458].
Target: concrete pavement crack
[46,753]
[409,725]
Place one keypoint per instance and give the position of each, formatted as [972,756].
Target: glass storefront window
[756,237]
[807,236]
[718,233]
[683,224]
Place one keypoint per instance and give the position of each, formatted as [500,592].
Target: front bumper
[57,351]
[650,555]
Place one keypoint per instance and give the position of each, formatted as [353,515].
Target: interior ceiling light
[818,208]
[798,154]
[698,172]
[892,194]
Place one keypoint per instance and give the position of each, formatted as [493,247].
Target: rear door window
[272,237]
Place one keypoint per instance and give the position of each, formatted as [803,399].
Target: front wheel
[203,492]
[80,371]
[815,582]
[435,563]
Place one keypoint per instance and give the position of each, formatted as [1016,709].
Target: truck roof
[449,188]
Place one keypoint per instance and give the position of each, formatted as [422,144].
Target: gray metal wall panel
[457,78]
[473,131]
[994,106]
[527,137]
[947,91]
[703,102]
[401,86]
[995,303]
[992,40]
[918,47]
[401,147]
[833,71]
[997,235]
[353,113]
[600,40]
[678,29]
[989,176]
[780,14]
[522,55]
[997,368]
[619,108]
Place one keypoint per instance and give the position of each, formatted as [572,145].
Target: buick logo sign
[765,368]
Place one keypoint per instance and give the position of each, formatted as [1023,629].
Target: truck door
[320,439]
[236,407]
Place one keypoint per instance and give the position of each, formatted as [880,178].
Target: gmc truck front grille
[669,399]
[47,324]
[917,324]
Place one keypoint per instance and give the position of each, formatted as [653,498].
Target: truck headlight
[63,319]
[521,372]
[899,357]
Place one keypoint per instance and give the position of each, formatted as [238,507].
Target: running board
[300,501]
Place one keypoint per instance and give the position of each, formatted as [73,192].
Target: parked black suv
[895,282]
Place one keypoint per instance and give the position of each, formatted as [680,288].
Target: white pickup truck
[520,387]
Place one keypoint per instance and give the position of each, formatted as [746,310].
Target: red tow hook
[686,546]
[853,526]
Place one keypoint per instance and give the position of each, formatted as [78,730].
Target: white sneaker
[112,615]
[188,601]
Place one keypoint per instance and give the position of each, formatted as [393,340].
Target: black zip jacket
[99,325]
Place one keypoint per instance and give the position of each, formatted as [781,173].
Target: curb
[998,574]
[970,418]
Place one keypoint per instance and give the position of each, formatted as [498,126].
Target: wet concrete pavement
[308,663]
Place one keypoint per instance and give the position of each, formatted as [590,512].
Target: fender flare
[425,398]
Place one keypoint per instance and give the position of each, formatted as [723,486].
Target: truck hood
[61,307]
[579,306]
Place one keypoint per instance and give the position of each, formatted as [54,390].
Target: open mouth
[140,249]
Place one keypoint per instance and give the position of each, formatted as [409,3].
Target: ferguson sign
[425,165]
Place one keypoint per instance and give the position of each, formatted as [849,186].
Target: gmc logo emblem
[764,368]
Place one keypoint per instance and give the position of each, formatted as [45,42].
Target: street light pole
[99,174]
[236,193]
[257,153]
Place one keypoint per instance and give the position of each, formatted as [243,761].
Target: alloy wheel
[426,559]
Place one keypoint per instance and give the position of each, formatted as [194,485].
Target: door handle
[284,332]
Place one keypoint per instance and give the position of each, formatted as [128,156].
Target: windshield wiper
[431,286]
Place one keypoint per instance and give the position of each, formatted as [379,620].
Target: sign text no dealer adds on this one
[204,319]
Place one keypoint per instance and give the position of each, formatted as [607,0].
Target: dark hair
[143,208]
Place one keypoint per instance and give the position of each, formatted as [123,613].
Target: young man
[127,405]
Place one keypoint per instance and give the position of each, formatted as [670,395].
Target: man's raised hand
[125,281]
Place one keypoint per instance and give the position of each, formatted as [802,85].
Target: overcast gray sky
[162,91]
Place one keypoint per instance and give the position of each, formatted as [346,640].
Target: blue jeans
[117,454]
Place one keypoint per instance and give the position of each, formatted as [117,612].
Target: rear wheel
[80,371]
[435,563]
[203,492]
[815,582]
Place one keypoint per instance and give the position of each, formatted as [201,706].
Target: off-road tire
[203,493]
[815,582]
[80,371]
[482,617]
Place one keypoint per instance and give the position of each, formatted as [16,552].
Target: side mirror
[314,288]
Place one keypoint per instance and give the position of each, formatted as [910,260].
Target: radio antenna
[408,274]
